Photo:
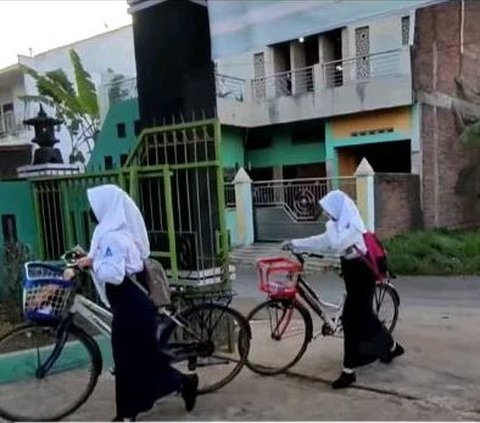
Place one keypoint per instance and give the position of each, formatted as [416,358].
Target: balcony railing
[11,124]
[357,69]
[230,87]
[327,75]
[297,81]
[121,90]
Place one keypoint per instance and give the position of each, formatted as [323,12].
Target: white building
[111,50]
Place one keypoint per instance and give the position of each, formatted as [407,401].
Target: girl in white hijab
[365,338]
[118,249]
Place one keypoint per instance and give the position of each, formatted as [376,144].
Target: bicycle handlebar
[304,255]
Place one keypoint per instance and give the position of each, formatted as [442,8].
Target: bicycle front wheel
[386,305]
[213,340]
[41,381]
[281,331]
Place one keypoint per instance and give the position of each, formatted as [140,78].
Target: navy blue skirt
[142,373]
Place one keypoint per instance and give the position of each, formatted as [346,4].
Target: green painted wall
[16,198]
[108,142]
[284,152]
[232,149]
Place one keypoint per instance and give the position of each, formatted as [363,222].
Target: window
[108,162]
[405,30]
[9,228]
[121,130]
[137,127]
[258,138]
[123,159]
[308,132]
[362,48]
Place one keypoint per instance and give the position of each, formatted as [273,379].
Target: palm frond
[87,93]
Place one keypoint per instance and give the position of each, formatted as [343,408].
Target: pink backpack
[376,256]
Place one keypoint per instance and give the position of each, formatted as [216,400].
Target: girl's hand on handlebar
[287,246]
[84,263]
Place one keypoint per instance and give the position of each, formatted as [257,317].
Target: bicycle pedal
[192,363]
[327,330]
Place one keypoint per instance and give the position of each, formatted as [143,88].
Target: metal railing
[297,81]
[11,124]
[357,69]
[300,197]
[230,87]
[121,90]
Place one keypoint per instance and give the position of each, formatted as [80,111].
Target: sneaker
[189,391]
[345,380]
[398,351]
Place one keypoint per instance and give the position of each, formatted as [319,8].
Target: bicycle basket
[45,292]
[278,276]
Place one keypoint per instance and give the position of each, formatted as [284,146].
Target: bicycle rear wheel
[28,395]
[214,341]
[281,331]
[386,305]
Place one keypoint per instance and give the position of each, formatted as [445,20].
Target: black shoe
[345,379]
[189,391]
[398,351]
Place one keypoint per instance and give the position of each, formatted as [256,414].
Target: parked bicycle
[50,366]
[282,326]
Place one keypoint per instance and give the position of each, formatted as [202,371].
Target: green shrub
[439,252]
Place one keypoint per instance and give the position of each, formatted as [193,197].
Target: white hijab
[346,225]
[115,210]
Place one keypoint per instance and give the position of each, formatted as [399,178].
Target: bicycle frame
[321,308]
[92,313]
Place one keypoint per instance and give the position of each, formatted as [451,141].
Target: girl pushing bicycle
[365,338]
[118,249]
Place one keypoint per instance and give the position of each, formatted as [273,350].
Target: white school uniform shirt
[120,241]
[116,257]
[342,235]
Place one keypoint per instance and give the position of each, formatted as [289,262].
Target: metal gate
[287,209]
[175,176]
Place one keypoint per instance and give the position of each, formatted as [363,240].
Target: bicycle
[284,316]
[50,366]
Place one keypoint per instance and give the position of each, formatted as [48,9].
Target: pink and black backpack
[376,256]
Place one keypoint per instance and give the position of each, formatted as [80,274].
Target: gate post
[365,181]
[244,207]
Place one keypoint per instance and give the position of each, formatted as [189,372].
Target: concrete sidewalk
[437,379]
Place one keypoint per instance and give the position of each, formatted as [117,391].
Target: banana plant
[76,103]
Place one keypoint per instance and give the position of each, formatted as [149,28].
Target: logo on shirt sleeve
[108,253]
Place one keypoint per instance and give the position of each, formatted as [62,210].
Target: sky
[41,25]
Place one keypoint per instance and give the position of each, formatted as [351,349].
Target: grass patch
[439,252]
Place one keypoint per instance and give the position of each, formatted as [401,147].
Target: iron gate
[175,176]
[287,209]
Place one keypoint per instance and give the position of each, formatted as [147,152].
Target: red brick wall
[437,60]
[397,204]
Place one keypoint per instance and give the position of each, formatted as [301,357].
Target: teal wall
[16,197]
[108,142]
[284,152]
[232,150]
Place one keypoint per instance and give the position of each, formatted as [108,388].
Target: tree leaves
[87,93]
[75,103]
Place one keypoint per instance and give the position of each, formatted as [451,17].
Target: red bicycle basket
[278,276]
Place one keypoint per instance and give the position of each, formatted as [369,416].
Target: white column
[244,207]
[365,189]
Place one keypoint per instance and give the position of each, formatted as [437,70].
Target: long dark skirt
[365,337]
[142,372]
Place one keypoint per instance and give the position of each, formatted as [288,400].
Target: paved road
[437,379]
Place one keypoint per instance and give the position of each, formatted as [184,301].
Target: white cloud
[45,24]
